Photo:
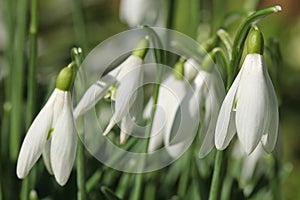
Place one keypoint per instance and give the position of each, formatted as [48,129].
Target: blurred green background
[56,36]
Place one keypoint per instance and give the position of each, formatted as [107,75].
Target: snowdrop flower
[201,106]
[171,92]
[249,162]
[137,12]
[121,83]
[250,108]
[52,133]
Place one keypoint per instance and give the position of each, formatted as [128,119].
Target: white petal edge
[126,128]
[172,94]
[212,107]
[35,138]
[64,143]
[185,124]
[252,103]
[126,93]
[93,94]
[269,138]
[225,128]
[46,157]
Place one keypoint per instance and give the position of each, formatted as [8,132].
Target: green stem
[17,81]
[170,19]
[160,58]
[76,55]
[81,195]
[242,33]
[79,25]
[215,185]
[225,38]
[184,177]
[31,97]
[93,180]
[31,102]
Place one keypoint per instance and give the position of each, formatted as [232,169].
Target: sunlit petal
[269,138]
[225,128]
[252,103]
[64,143]
[35,138]
[185,124]
[46,156]
[126,128]
[93,94]
[126,94]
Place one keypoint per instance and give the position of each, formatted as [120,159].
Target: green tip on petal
[255,42]
[208,62]
[141,48]
[65,78]
[179,69]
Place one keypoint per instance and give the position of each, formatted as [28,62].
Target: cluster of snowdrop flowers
[172,90]
[186,109]
[193,102]
[120,85]
[53,133]
[250,107]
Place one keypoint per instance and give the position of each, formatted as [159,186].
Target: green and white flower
[122,83]
[200,106]
[52,133]
[172,90]
[250,108]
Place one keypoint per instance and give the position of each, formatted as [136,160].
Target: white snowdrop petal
[35,138]
[64,143]
[250,163]
[93,94]
[184,125]
[131,63]
[212,108]
[269,138]
[225,128]
[137,12]
[252,103]
[46,156]
[171,94]
[126,128]
[191,68]
[126,93]
[58,105]
[157,130]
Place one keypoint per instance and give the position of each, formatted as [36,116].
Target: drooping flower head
[199,107]
[172,91]
[121,84]
[250,108]
[52,133]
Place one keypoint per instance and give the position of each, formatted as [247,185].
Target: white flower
[138,12]
[201,106]
[250,108]
[53,134]
[171,93]
[127,77]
